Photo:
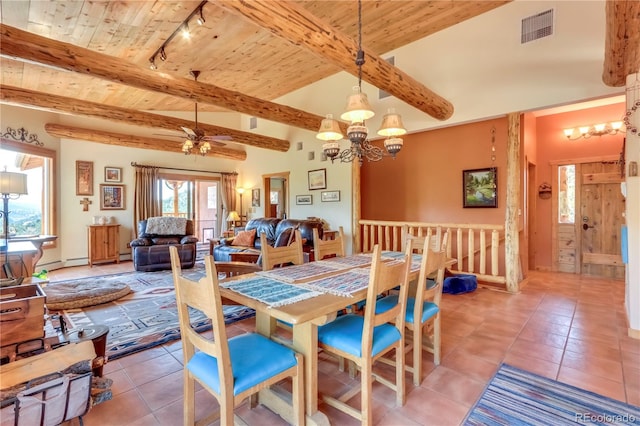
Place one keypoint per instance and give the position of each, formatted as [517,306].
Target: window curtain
[228,195]
[146,199]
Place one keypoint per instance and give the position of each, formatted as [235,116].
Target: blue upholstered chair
[423,308]
[230,369]
[362,339]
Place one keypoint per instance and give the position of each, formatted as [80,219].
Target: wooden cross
[85,204]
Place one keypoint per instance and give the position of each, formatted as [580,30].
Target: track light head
[185,31]
[200,19]
[152,63]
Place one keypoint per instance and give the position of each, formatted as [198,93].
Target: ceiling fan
[196,139]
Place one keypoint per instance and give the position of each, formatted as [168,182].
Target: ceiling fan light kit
[357,111]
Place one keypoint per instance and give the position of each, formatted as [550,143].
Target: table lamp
[233,217]
[12,185]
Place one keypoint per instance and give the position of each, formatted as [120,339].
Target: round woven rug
[79,295]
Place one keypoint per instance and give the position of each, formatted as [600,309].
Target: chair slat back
[436,238]
[322,248]
[272,256]
[384,276]
[203,295]
[432,265]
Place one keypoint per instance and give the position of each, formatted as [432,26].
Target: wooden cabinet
[104,243]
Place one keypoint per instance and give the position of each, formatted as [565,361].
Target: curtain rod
[134,164]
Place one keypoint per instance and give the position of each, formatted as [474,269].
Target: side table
[98,336]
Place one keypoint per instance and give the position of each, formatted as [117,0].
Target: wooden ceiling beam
[132,141]
[49,102]
[25,46]
[622,41]
[296,24]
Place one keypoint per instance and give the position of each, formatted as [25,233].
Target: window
[193,197]
[31,214]
[567,194]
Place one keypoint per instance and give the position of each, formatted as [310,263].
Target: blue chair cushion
[254,359]
[345,333]
[429,309]
[461,283]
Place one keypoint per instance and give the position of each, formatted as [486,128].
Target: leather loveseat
[151,250]
[277,232]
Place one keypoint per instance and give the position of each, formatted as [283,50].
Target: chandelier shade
[358,108]
[329,129]
[392,125]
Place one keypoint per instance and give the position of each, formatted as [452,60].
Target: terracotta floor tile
[559,326]
[584,380]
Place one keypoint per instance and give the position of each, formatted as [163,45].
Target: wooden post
[355,205]
[511,237]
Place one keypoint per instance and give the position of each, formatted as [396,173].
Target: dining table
[305,296]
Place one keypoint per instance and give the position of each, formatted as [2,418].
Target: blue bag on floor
[459,283]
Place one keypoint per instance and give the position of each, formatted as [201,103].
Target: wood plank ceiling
[246,60]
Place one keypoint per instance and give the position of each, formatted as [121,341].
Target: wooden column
[355,205]
[511,236]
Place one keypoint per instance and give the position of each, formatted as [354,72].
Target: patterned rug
[147,316]
[517,397]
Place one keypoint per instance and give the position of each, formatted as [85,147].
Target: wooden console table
[20,255]
[37,241]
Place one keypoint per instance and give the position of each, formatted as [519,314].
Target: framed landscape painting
[113,174]
[304,199]
[318,179]
[480,187]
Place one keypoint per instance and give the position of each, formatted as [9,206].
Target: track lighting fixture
[183,29]
[200,19]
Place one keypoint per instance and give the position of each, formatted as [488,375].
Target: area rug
[147,316]
[517,397]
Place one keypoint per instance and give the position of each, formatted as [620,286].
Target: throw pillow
[244,238]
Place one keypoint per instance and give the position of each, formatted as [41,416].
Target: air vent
[253,122]
[537,26]
[381,93]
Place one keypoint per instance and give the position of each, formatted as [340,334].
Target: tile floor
[566,327]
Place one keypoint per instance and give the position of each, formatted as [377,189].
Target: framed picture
[255,197]
[329,196]
[480,187]
[304,199]
[317,179]
[111,197]
[113,174]
[84,177]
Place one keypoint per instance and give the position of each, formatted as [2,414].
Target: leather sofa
[151,251]
[277,234]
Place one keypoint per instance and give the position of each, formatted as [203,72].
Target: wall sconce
[595,130]
[544,191]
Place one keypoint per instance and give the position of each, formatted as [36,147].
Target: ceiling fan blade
[217,138]
[189,132]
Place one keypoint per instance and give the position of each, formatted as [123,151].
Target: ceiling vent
[537,26]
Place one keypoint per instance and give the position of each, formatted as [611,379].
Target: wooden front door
[599,220]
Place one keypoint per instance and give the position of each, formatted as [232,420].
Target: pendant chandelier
[357,111]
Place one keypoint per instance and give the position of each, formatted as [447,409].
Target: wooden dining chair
[326,248]
[423,306]
[362,339]
[275,256]
[231,369]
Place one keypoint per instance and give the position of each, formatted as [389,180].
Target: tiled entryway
[566,327]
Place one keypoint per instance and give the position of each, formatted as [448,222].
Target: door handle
[586,226]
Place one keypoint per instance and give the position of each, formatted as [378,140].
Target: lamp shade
[358,108]
[329,129]
[13,183]
[233,216]
[392,125]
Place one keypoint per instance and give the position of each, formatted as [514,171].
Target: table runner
[416,258]
[298,273]
[344,284]
[268,291]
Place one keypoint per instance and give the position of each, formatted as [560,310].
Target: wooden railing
[478,249]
